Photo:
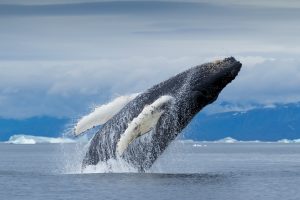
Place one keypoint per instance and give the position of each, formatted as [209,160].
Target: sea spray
[72,155]
[112,165]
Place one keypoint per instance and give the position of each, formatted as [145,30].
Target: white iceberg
[227,140]
[296,141]
[30,139]
[286,141]
[232,140]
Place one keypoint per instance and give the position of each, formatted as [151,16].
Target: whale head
[197,87]
[208,80]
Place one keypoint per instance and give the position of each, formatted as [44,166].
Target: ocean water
[187,170]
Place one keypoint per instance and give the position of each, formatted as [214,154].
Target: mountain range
[262,123]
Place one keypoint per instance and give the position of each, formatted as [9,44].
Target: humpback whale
[146,124]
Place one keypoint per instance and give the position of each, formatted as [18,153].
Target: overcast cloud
[63,58]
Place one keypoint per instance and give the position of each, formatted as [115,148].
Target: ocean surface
[187,170]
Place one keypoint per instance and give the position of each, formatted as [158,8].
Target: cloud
[266,82]
[82,31]
[71,88]
[61,58]
[104,8]
[264,3]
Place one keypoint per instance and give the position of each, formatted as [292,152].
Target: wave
[30,139]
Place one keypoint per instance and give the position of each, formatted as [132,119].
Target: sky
[62,58]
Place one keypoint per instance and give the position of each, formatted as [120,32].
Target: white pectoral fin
[102,114]
[142,124]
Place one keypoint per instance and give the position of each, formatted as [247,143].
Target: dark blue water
[186,171]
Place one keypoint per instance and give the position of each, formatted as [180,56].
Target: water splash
[73,154]
[111,166]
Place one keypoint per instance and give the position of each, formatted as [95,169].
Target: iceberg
[286,141]
[30,139]
[230,140]
[227,140]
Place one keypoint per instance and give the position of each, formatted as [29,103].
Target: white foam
[110,166]
[29,139]
[102,114]
[143,123]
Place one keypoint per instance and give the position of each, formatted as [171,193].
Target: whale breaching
[143,125]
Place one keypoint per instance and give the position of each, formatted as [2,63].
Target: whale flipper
[143,123]
[102,114]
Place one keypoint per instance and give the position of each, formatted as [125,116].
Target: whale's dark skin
[192,90]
